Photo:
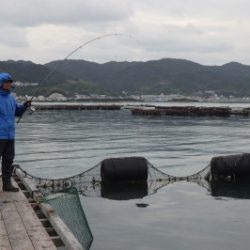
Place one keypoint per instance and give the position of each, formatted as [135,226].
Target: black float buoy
[124,169]
[230,167]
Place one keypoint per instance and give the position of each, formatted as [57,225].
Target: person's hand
[27,104]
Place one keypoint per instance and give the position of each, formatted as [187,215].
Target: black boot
[7,186]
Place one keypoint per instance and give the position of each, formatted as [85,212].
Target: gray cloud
[210,32]
[13,37]
[67,12]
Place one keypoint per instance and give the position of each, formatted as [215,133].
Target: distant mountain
[161,76]
[27,71]
[151,77]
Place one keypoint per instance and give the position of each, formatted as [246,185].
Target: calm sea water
[179,216]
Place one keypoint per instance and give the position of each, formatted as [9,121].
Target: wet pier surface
[20,228]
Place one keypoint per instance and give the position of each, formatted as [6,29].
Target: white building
[57,97]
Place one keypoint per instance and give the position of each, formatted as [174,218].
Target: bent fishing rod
[59,65]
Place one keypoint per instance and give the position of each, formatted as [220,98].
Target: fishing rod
[46,78]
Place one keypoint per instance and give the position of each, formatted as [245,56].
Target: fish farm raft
[190,111]
[145,110]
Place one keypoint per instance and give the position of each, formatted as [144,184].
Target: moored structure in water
[229,167]
[145,110]
[190,111]
[69,106]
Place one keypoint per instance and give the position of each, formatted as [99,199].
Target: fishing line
[46,78]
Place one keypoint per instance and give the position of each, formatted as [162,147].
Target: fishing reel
[30,108]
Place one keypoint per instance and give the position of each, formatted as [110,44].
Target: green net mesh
[68,206]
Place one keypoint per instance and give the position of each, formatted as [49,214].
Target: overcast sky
[210,32]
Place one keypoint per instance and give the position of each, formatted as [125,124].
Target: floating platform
[190,111]
[26,223]
[149,110]
[20,227]
[69,106]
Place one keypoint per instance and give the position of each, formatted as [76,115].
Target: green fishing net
[68,206]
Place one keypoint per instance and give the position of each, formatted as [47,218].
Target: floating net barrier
[128,173]
[67,205]
[201,177]
[115,178]
[132,178]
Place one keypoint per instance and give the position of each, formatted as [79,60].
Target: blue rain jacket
[8,110]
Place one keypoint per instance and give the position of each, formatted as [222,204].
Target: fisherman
[8,110]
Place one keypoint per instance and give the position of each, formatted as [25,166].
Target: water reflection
[233,189]
[239,189]
[127,191]
[124,190]
[120,190]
